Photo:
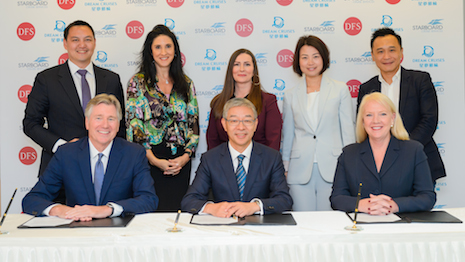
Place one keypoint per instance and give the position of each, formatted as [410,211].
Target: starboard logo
[175,3]
[352,26]
[439,86]
[327,27]
[56,36]
[27,155]
[26,31]
[261,59]
[285,58]
[319,3]
[211,93]
[209,62]
[100,5]
[62,59]
[278,23]
[33,4]
[442,148]
[102,58]
[284,2]
[434,25]
[215,29]
[365,58]
[23,93]
[244,27]
[66,4]
[141,2]
[134,29]
[354,86]
[39,64]
[107,31]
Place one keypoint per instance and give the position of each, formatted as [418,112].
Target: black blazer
[418,107]
[404,176]
[54,98]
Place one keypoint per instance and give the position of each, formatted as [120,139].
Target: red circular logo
[352,26]
[28,155]
[26,31]
[353,86]
[135,29]
[66,4]
[23,93]
[285,58]
[393,2]
[244,27]
[175,3]
[183,59]
[284,2]
[62,59]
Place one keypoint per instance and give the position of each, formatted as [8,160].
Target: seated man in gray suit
[245,177]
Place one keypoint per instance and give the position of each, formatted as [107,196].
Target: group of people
[87,172]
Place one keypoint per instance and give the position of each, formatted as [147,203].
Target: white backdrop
[208,32]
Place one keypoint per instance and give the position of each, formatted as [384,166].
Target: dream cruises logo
[56,36]
[101,5]
[433,26]
[327,27]
[142,2]
[107,31]
[279,86]
[430,3]
[209,4]
[33,3]
[171,24]
[214,30]
[278,31]
[387,21]
[319,3]
[364,59]
[428,58]
[39,64]
[102,58]
[209,62]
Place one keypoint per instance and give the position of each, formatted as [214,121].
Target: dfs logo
[175,3]
[66,4]
[134,29]
[352,26]
[26,31]
[244,27]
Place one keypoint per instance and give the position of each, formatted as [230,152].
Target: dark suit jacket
[404,176]
[270,123]
[418,107]
[127,180]
[54,97]
[265,180]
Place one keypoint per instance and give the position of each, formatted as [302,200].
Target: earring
[392,125]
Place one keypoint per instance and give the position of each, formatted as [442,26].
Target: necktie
[98,178]
[240,175]
[85,89]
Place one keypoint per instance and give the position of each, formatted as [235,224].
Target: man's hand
[227,209]
[81,213]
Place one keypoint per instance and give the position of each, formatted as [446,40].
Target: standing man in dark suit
[102,175]
[245,177]
[412,92]
[60,94]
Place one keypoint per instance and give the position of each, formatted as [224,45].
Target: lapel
[302,99]
[392,153]
[100,80]
[85,170]
[114,160]
[325,90]
[404,89]
[366,155]
[254,169]
[67,83]
[228,172]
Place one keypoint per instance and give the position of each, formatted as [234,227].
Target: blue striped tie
[98,178]
[240,175]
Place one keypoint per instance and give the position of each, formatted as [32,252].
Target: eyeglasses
[246,122]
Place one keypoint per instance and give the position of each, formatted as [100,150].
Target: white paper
[47,222]
[366,218]
[212,220]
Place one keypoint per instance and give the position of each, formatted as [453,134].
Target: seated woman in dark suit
[393,170]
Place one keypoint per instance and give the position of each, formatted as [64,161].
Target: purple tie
[85,89]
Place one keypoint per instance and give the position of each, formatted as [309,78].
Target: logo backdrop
[209,31]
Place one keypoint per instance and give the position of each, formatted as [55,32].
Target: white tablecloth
[318,236]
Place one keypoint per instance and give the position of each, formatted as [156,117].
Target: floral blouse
[152,117]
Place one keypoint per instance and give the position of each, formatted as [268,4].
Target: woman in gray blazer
[317,123]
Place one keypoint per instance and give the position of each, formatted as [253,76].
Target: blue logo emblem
[41,59]
[218,25]
[109,27]
[278,22]
[169,23]
[60,26]
[441,145]
[279,84]
[438,84]
[260,56]
[387,20]
[428,51]
[210,55]
[327,23]
[367,54]
[101,57]
[218,88]
[435,22]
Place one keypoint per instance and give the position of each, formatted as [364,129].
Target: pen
[8,207]
[356,205]
[176,220]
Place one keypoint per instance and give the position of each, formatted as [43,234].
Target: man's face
[80,45]
[240,133]
[102,125]
[387,54]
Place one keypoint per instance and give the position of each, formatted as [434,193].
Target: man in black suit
[412,92]
[54,112]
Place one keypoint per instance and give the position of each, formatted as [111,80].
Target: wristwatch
[112,209]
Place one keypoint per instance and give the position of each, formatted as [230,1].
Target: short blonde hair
[104,99]
[397,130]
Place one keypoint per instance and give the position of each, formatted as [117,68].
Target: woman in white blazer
[317,123]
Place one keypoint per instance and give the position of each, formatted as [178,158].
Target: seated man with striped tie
[103,176]
[245,177]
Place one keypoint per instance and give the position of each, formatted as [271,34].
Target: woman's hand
[378,205]
[177,164]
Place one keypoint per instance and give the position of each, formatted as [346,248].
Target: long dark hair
[255,95]
[147,65]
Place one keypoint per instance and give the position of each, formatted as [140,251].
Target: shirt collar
[73,68]
[94,152]
[234,153]
[394,78]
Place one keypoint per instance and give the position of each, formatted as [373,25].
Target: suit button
[314,137]
[270,207]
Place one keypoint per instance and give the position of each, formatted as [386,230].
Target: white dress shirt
[391,90]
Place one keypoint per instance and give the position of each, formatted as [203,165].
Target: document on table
[47,222]
[366,218]
[206,219]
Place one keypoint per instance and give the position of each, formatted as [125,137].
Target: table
[318,236]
